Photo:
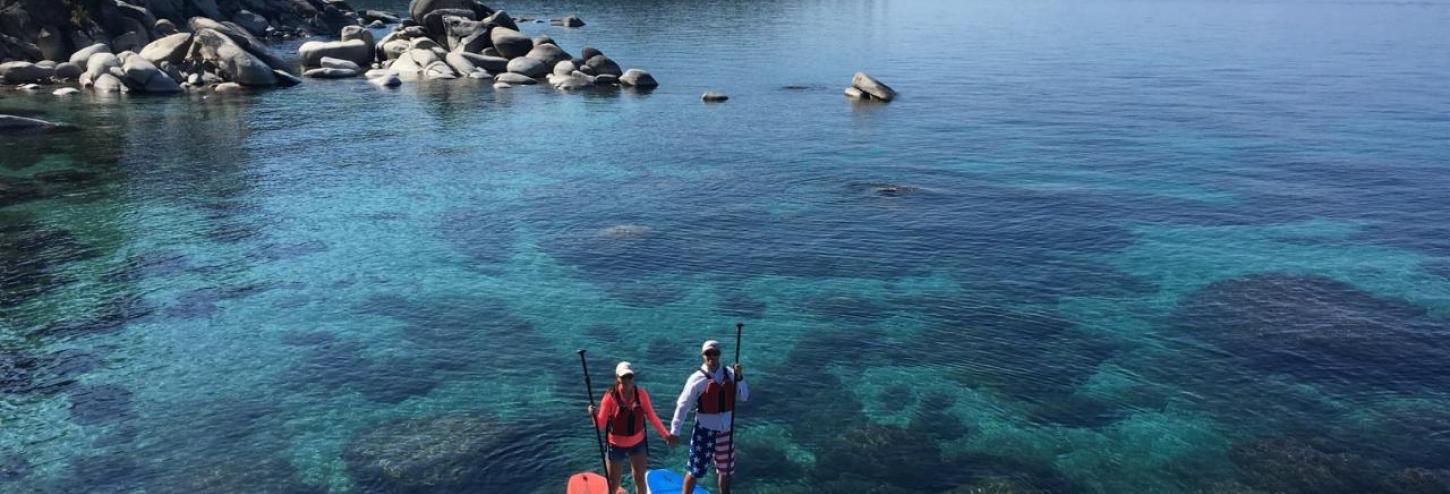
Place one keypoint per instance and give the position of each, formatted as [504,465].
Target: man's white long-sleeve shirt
[694,387]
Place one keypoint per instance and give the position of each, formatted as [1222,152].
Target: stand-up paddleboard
[667,482]
[591,483]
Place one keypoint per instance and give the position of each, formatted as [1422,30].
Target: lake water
[1096,246]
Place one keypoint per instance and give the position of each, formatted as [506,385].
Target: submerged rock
[713,97]
[514,79]
[14,125]
[442,454]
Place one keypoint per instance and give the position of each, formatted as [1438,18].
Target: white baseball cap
[623,369]
[709,345]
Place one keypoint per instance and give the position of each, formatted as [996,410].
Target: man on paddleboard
[710,392]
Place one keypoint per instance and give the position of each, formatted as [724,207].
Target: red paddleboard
[589,483]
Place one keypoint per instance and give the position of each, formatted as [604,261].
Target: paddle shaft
[735,411]
[593,424]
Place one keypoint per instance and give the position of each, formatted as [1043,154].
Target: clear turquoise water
[1182,246]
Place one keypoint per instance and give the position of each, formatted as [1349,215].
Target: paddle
[735,411]
[589,388]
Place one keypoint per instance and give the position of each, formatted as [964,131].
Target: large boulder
[393,49]
[528,66]
[82,55]
[601,64]
[461,62]
[139,71]
[510,43]
[576,80]
[564,68]
[414,62]
[234,63]
[514,79]
[285,79]
[101,64]
[495,65]
[109,83]
[169,49]
[439,70]
[458,28]
[237,34]
[638,78]
[251,21]
[25,72]
[474,43]
[549,54]
[356,51]
[331,73]
[870,86]
[338,63]
[500,19]
[435,23]
[421,8]
[68,71]
[350,33]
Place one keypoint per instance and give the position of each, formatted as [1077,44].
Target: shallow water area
[1110,246]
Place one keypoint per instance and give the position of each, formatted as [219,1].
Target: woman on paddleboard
[622,413]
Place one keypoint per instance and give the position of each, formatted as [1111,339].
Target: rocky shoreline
[182,46]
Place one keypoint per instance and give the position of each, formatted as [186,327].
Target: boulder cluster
[453,39]
[110,46]
[36,30]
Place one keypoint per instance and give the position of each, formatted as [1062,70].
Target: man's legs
[702,449]
[724,459]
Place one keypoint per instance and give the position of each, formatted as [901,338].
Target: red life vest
[717,398]
[626,420]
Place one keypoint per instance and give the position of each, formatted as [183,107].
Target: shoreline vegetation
[190,46]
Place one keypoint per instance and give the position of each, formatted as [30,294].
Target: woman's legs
[616,474]
[638,464]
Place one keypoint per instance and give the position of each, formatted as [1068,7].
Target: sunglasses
[629,377]
[712,353]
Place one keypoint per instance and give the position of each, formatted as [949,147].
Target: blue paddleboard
[667,482]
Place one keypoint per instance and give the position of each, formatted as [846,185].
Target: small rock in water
[515,79]
[713,97]
[480,74]
[606,80]
[871,87]
[852,92]
[66,91]
[571,21]
[376,73]
[337,63]
[389,79]
[502,85]
[227,87]
[30,87]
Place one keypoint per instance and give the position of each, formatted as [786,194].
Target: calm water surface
[1104,246]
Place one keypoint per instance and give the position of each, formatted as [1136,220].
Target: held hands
[672,439]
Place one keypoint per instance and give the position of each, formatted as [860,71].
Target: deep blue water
[1106,246]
